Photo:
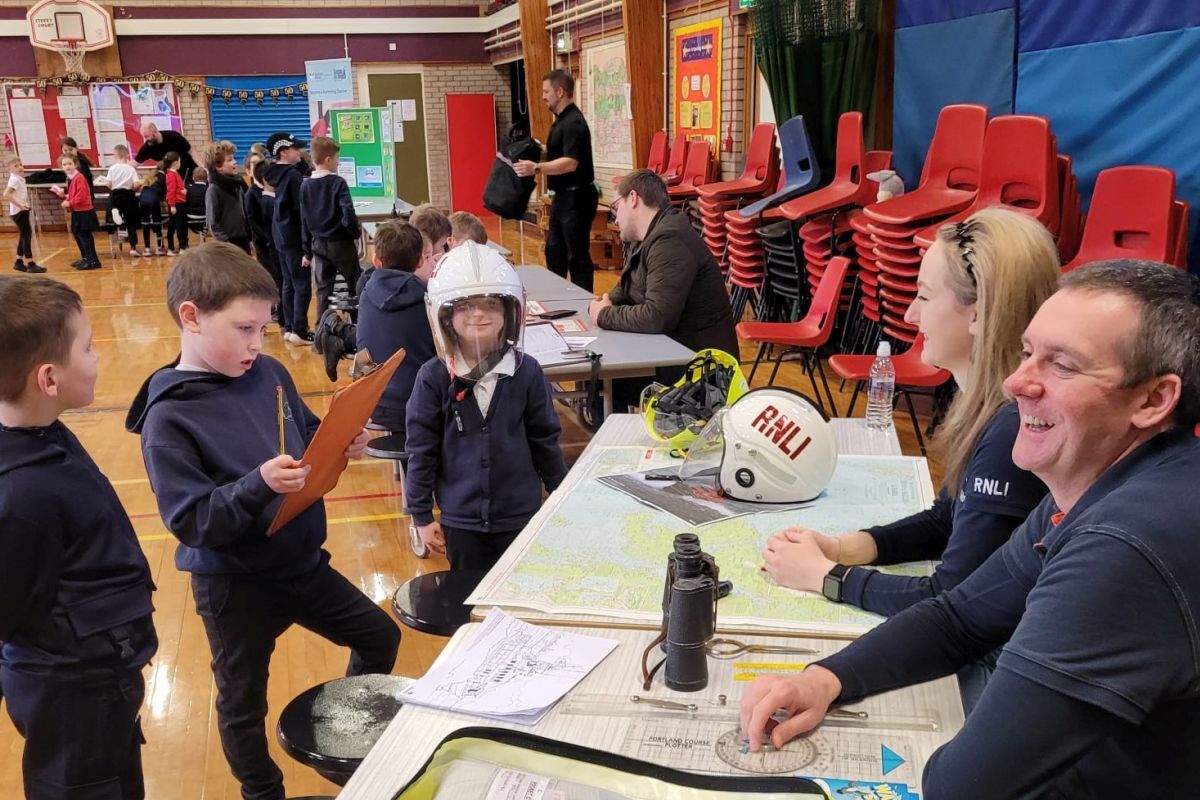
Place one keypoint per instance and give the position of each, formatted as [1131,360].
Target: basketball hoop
[70,28]
[72,55]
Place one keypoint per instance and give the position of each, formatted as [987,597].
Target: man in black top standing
[567,164]
[158,143]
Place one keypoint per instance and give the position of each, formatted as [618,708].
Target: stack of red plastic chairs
[949,183]
[760,175]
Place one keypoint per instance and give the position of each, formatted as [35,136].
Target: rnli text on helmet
[780,430]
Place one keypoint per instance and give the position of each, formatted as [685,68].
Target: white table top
[623,354]
[910,722]
[373,209]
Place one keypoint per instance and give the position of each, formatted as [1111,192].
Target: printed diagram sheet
[510,670]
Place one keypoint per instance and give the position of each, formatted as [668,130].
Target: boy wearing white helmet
[482,431]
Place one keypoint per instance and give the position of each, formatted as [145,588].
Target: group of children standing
[75,592]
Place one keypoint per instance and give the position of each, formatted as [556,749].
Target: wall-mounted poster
[605,82]
[696,81]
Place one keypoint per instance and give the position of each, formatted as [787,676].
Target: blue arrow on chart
[890,759]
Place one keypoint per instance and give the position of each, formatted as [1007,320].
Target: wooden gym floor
[134,335]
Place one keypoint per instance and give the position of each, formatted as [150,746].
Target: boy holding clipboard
[210,439]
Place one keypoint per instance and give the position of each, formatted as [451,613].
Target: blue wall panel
[1047,24]
[1129,101]
[927,12]
[966,60]
[247,123]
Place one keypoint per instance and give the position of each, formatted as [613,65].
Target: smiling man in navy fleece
[1097,691]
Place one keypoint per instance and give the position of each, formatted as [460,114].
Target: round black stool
[433,603]
[332,726]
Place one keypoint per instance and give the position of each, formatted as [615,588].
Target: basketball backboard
[79,25]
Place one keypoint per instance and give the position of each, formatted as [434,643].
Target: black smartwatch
[831,585]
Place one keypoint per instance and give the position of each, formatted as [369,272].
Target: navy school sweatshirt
[326,210]
[391,315]
[285,179]
[204,437]
[74,584]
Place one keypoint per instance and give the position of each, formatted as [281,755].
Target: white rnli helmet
[772,446]
[476,307]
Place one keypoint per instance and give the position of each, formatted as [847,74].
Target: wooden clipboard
[349,411]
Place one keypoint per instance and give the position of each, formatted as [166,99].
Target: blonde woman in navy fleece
[980,284]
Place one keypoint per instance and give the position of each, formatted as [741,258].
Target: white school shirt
[122,176]
[20,194]
[485,387]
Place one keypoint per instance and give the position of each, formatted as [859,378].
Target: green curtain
[818,59]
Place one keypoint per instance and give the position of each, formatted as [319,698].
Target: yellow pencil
[282,440]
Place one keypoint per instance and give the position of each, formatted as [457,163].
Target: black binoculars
[689,613]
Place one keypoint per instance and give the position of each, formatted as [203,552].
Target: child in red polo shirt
[78,198]
[176,204]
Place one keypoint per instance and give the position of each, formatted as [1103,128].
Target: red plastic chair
[849,179]
[676,158]
[1020,171]
[656,160]
[806,335]
[695,172]
[1131,216]
[911,373]
[1180,234]
[950,177]
[761,171]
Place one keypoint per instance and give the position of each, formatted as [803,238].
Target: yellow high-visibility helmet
[676,414]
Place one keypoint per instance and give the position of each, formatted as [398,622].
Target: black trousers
[243,616]
[82,225]
[568,242]
[475,549]
[125,201]
[24,235]
[177,228]
[152,219]
[264,252]
[297,290]
[332,257]
[83,741]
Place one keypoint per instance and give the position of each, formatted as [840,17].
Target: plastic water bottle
[881,387]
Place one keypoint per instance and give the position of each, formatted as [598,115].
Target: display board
[367,154]
[696,81]
[98,116]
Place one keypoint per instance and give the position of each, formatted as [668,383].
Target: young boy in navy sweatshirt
[329,225]
[391,315]
[258,202]
[482,431]
[75,611]
[210,439]
[286,175]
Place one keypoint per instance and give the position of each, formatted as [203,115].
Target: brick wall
[733,79]
[440,80]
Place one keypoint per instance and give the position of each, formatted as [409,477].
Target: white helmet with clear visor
[476,307]
[772,446]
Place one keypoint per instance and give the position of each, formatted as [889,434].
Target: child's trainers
[133,251]
[172,252]
[146,252]
[34,267]
[19,266]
